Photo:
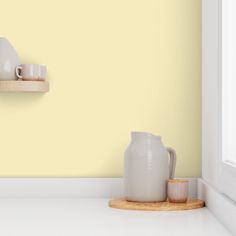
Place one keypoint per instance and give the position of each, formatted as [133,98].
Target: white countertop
[75,217]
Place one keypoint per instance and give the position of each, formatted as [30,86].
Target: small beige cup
[42,72]
[31,72]
[177,190]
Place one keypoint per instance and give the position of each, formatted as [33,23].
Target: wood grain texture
[23,86]
[121,203]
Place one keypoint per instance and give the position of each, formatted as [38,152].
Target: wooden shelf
[24,86]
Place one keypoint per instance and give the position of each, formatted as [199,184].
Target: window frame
[217,172]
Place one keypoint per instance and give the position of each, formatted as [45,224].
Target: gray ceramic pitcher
[148,166]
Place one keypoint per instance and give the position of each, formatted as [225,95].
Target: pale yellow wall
[114,66]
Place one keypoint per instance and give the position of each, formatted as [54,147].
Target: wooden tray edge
[121,203]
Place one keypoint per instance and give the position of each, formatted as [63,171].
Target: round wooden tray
[121,203]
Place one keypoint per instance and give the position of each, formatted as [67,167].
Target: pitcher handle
[172,162]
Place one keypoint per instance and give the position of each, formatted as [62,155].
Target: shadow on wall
[8,100]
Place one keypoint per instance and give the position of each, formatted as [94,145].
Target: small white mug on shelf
[31,72]
[178,190]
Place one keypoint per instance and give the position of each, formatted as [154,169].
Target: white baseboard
[60,187]
[219,204]
[69,187]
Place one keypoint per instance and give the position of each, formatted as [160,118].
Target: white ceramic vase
[8,60]
[147,168]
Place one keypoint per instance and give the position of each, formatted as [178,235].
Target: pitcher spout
[139,134]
